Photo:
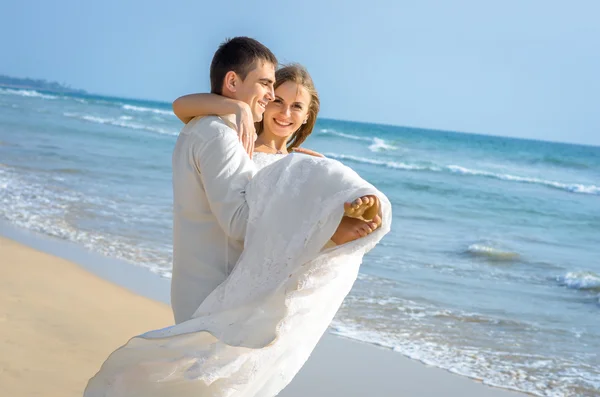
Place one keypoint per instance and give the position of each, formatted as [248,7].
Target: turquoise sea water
[492,269]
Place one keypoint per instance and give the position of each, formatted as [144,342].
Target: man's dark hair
[240,55]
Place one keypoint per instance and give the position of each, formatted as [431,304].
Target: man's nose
[271,94]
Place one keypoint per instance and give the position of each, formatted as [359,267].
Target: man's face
[257,88]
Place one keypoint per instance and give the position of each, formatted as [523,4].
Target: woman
[255,331]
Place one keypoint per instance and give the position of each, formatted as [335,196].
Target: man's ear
[231,81]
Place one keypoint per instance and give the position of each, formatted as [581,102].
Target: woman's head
[294,111]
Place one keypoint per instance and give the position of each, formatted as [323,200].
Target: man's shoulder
[208,122]
[207,127]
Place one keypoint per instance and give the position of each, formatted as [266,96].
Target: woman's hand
[307,151]
[244,122]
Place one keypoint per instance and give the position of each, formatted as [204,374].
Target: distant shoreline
[38,84]
[37,88]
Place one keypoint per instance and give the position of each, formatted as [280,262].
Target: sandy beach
[59,322]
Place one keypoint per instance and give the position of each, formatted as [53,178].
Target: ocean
[491,270]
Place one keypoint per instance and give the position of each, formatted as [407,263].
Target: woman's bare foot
[365,208]
[351,229]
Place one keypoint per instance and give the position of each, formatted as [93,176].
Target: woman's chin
[282,132]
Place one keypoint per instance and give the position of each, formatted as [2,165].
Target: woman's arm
[189,106]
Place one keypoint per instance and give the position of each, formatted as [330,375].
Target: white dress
[252,335]
[263,159]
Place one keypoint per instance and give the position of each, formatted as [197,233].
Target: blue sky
[513,68]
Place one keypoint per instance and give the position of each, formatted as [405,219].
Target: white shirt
[210,173]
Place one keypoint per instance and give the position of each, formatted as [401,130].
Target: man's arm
[225,169]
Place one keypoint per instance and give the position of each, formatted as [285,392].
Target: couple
[264,252]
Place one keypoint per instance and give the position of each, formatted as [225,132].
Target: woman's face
[286,114]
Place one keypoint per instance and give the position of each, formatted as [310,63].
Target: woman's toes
[366,207]
[372,210]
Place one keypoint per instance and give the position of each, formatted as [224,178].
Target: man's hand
[307,151]
[245,127]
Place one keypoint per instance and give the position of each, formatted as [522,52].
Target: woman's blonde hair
[298,74]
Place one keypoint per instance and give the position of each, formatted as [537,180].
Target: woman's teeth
[282,123]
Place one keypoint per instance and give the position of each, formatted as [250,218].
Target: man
[210,172]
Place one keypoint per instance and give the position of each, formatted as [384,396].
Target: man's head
[244,69]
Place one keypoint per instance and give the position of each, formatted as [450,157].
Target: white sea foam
[37,206]
[456,169]
[580,280]
[451,339]
[379,145]
[343,135]
[147,110]
[472,362]
[26,93]
[388,164]
[491,253]
[122,121]
[571,187]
